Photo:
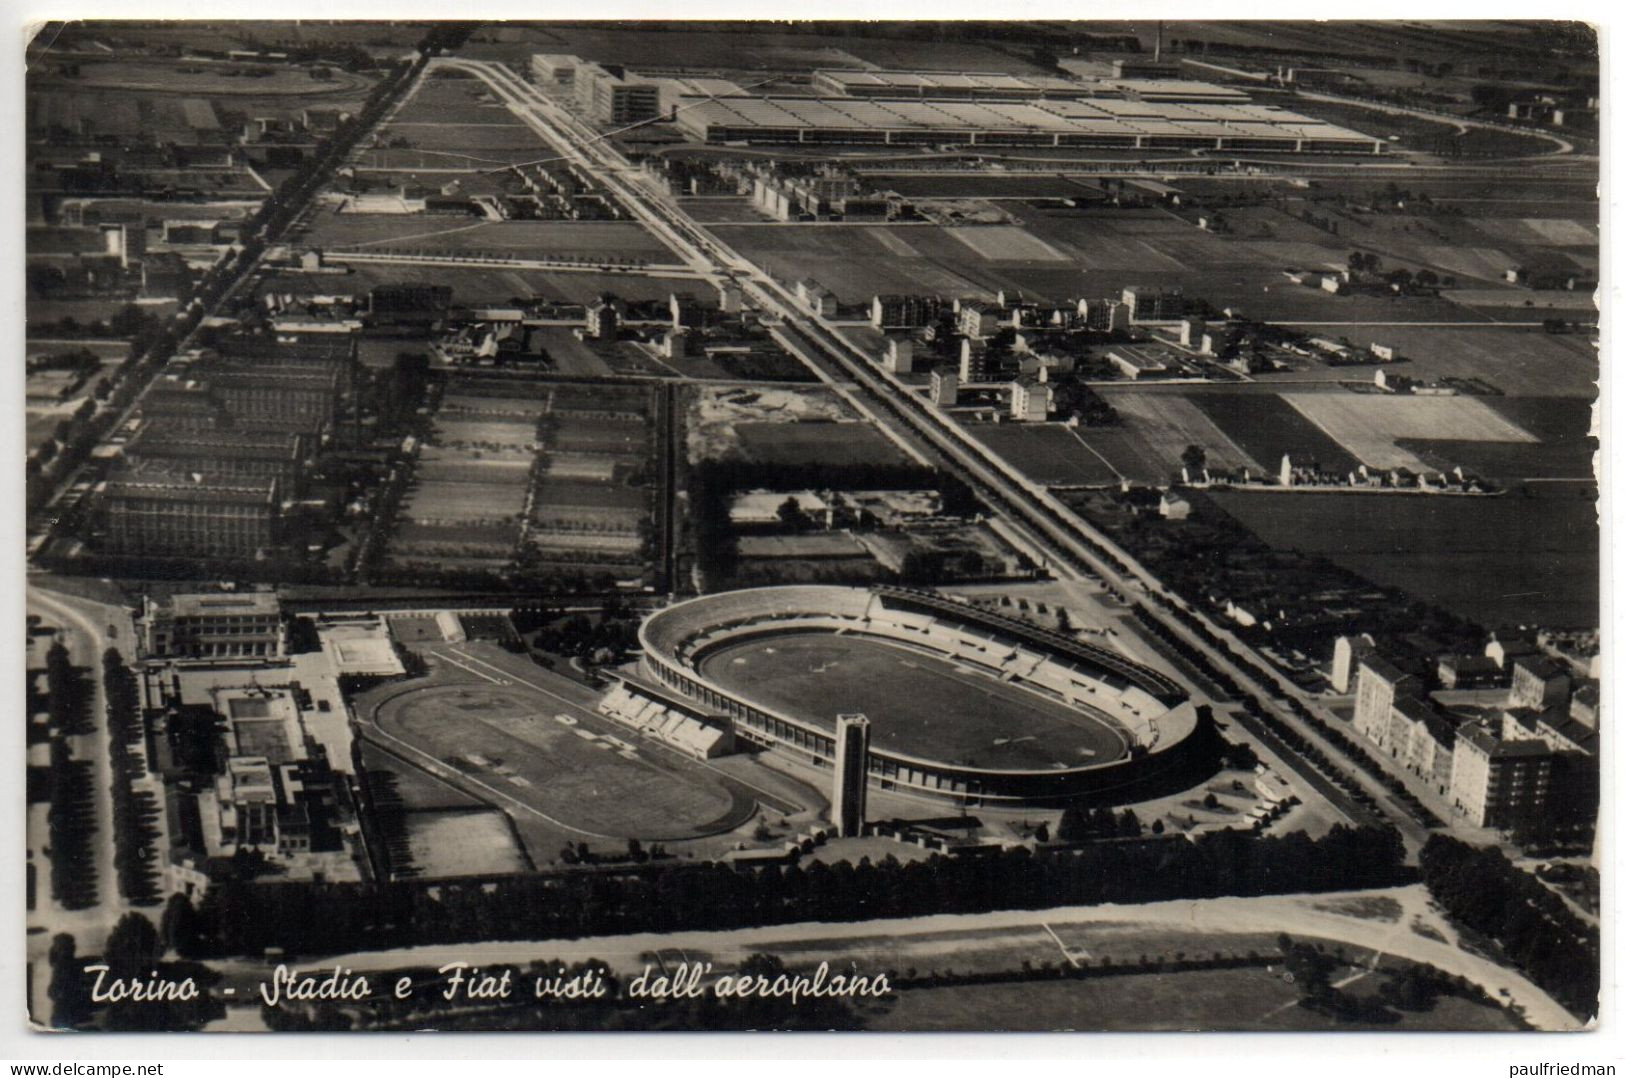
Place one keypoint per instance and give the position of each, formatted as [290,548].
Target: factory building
[1105,122]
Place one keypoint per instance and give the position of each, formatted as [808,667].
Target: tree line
[133,846]
[1535,928]
[238,917]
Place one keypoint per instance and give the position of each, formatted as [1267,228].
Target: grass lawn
[1242,999]
[918,704]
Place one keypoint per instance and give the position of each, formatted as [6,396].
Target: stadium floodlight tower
[851,775]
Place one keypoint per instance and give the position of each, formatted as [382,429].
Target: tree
[133,943]
[1194,458]
[69,999]
[791,516]
[179,926]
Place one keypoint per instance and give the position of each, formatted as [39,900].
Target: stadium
[964,703]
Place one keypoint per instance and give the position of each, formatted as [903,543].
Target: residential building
[944,389]
[903,311]
[1153,304]
[899,356]
[1347,652]
[603,319]
[1378,685]
[1499,782]
[1031,401]
[1172,507]
[1539,683]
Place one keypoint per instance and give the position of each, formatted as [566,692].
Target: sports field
[506,744]
[917,704]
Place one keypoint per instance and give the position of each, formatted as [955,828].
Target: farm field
[618,437]
[493,134]
[1565,449]
[1168,423]
[474,285]
[1538,544]
[626,239]
[1007,243]
[1047,453]
[855,261]
[741,49]
[1265,427]
[1519,362]
[809,443]
[1368,424]
[918,704]
[983,185]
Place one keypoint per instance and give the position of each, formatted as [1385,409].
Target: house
[1031,401]
[1172,507]
[1467,671]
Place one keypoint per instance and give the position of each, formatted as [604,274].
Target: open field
[621,239]
[738,49]
[460,500]
[1240,999]
[973,184]
[505,742]
[1530,556]
[453,429]
[1265,427]
[1005,243]
[809,443]
[1046,453]
[1168,423]
[475,842]
[618,437]
[917,703]
[1368,424]
[1519,362]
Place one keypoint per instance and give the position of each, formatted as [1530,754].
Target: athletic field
[917,704]
[506,744]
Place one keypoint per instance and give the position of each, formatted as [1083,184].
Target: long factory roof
[1105,116]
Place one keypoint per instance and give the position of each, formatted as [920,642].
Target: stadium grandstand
[966,704]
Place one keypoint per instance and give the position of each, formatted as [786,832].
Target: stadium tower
[851,775]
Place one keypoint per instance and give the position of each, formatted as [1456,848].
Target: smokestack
[1157,55]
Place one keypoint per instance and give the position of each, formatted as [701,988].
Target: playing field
[917,704]
[507,744]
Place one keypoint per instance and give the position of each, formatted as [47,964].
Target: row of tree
[133,837]
[241,917]
[1534,927]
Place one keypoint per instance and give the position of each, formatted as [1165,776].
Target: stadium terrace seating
[650,718]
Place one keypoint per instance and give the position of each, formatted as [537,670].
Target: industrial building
[977,86]
[164,513]
[1103,122]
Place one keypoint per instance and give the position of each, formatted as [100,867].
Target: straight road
[1075,546]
